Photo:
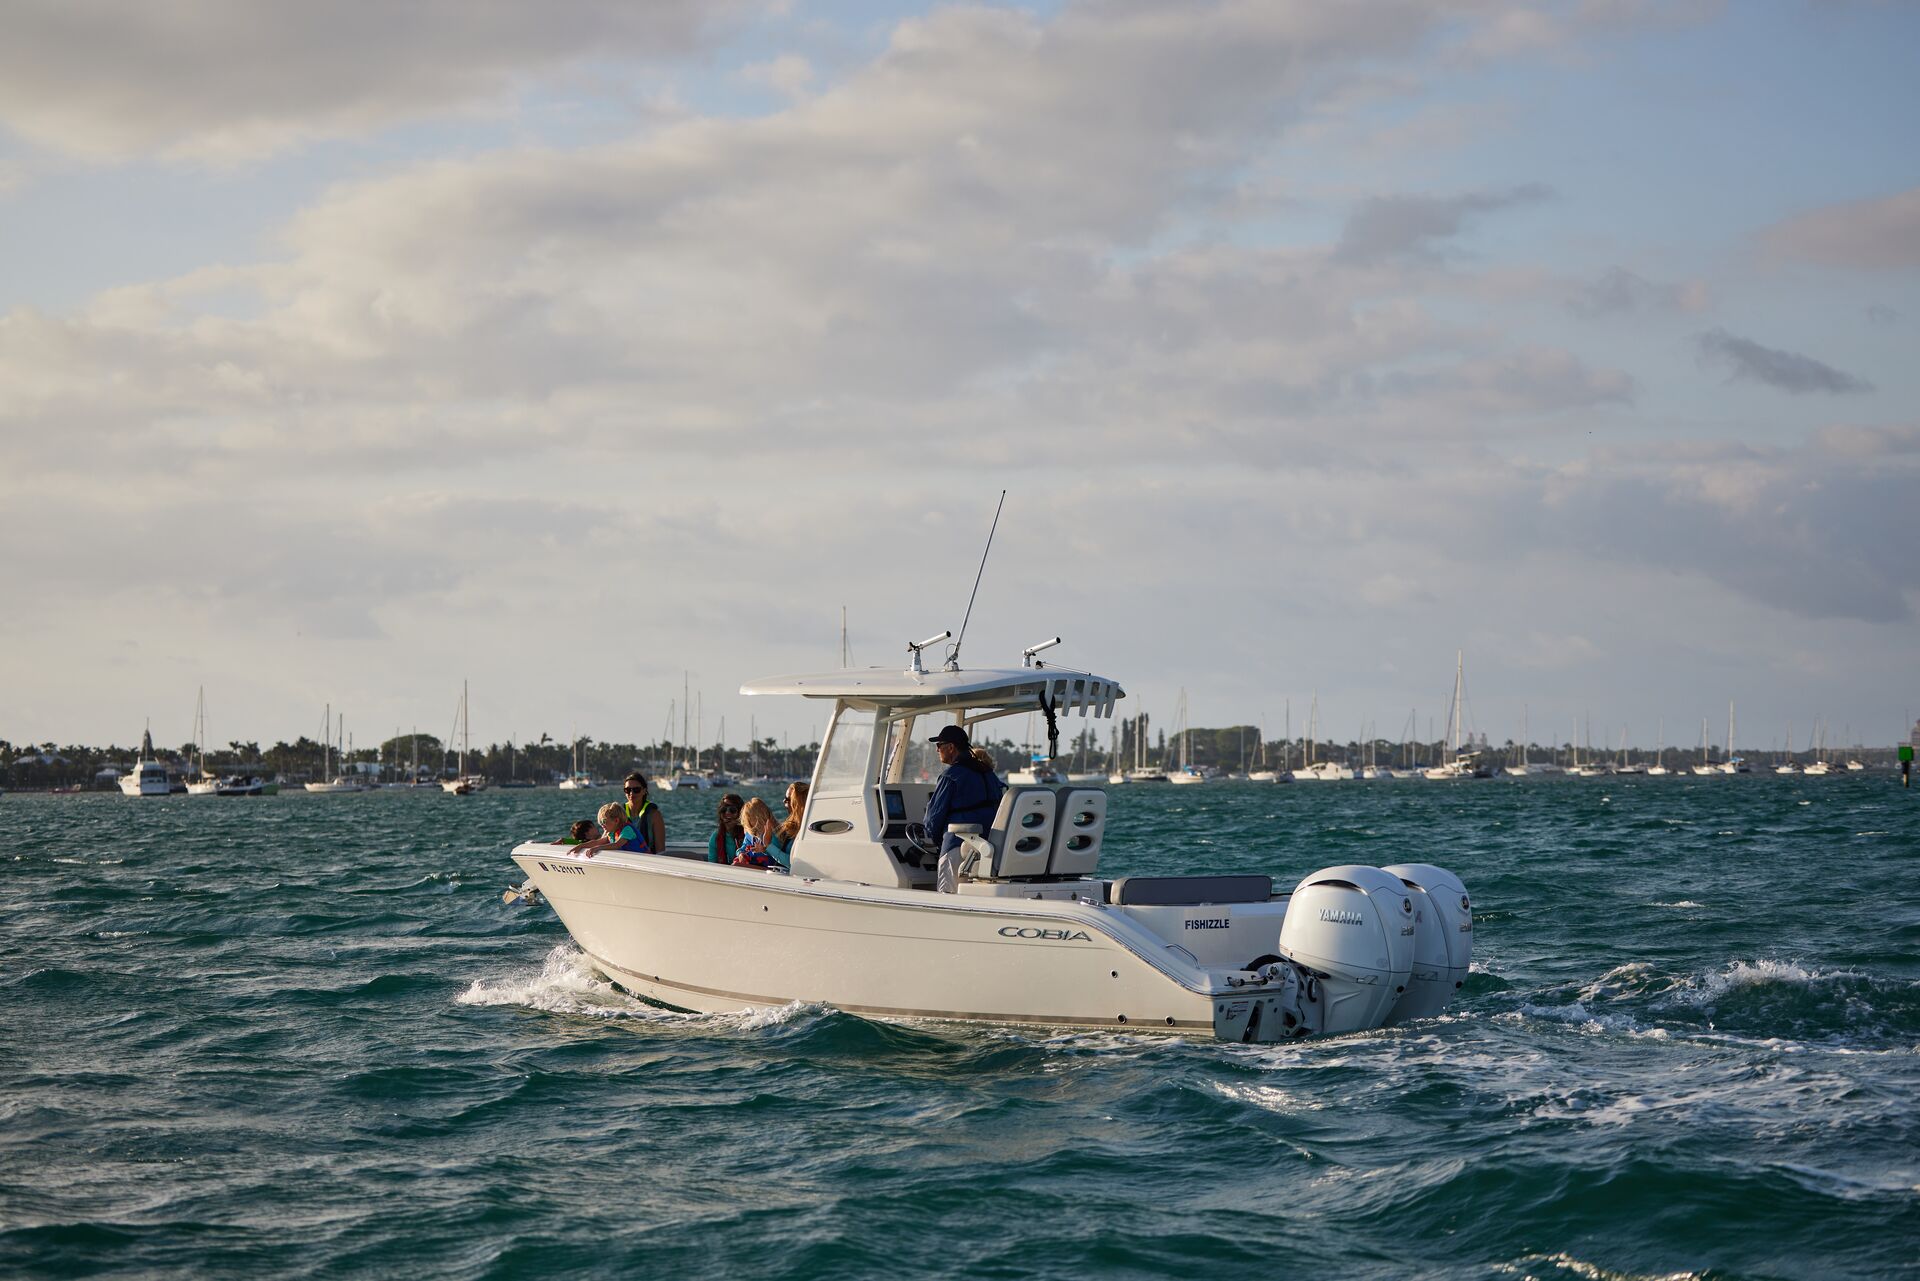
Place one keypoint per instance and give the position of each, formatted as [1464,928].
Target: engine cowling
[1442,939]
[1353,928]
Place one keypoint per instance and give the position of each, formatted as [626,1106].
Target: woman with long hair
[725,841]
[790,826]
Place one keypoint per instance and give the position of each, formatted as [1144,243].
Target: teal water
[301,1036]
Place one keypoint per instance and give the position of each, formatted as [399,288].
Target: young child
[582,830]
[757,848]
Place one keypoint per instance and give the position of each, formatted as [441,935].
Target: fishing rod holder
[1027,658]
[917,668]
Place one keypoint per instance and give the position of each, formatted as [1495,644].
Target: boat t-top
[1033,934]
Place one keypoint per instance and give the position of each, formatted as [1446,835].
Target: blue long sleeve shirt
[963,795]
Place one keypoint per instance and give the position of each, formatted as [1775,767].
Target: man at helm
[968,792]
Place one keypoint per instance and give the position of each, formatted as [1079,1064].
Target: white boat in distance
[1459,764]
[148,777]
[463,783]
[1032,935]
[1312,771]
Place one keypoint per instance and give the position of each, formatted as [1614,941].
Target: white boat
[579,780]
[689,777]
[1039,773]
[1706,766]
[1459,764]
[148,777]
[1263,772]
[1312,771]
[331,783]
[463,783]
[1735,763]
[1033,935]
[1139,771]
[199,782]
[1187,773]
[1820,766]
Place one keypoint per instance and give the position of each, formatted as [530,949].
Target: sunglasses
[633,791]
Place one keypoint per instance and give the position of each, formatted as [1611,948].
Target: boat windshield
[844,771]
[910,757]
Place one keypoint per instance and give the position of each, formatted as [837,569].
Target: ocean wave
[1564,1264]
[1577,1015]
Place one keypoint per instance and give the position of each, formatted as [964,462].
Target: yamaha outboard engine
[1442,939]
[1352,929]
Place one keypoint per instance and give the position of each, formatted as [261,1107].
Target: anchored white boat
[1459,764]
[463,783]
[1312,771]
[148,776]
[1033,935]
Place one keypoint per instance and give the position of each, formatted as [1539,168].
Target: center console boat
[1033,935]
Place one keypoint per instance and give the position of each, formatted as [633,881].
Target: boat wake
[1766,999]
[565,985]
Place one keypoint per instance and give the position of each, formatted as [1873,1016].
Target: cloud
[229,79]
[1786,370]
[1814,530]
[788,75]
[1411,226]
[1619,292]
[1881,316]
[1867,235]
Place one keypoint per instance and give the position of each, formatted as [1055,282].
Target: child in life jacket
[758,847]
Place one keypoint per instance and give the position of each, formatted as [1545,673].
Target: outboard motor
[1442,939]
[1353,929]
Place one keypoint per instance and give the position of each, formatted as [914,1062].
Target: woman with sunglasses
[727,831]
[638,816]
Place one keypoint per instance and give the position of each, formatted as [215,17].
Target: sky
[587,352]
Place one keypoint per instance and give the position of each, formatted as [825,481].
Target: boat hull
[705,937]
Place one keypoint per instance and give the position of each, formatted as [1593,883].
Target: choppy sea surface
[301,1036]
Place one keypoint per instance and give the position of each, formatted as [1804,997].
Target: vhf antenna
[953,655]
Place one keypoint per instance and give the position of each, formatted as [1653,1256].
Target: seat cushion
[1163,891]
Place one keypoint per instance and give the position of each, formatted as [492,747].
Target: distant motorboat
[1039,773]
[1322,772]
[148,776]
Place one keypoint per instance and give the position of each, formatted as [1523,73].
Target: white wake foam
[564,985]
[1706,991]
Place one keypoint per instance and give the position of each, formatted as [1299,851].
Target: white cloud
[229,79]
[1868,235]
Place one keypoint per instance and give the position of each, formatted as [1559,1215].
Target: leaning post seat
[1081,823]
[1021,835]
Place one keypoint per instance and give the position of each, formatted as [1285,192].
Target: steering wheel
[922,840]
